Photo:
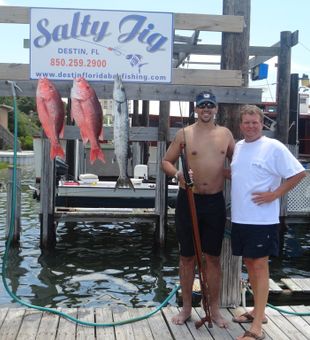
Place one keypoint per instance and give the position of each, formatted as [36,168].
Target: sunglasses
[207,105]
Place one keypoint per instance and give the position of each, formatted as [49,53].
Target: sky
[268,20]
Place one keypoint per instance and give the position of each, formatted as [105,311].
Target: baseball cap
[205,97]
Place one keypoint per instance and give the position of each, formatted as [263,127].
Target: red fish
[87,113]
[51,113]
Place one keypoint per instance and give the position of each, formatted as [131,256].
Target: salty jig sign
[97,45]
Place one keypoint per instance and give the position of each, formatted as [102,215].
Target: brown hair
[251,110]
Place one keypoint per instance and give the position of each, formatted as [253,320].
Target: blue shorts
[211,215]
[255,241]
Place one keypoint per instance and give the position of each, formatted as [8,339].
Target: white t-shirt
[257,167]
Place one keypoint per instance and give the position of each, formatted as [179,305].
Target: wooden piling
[161,180]
[17,210]
[47,198]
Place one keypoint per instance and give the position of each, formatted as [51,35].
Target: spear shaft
[197,244]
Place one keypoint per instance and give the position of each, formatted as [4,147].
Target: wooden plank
[30,325]
[159,327]
[263,53]
[11,323]
[206,77]
[298,322]
[123,332]
[291,285]
[234,328]
[286,329]
[274,287]
[215,331]
[261,58]
[303,283]
[178,331]
[84,332]
[104,315]
[14,15]
[136,133]
[280,326]
[212,49]
[66,328]
[303,309]
[179,76]
[237,95]
[201,333]
[141,328]
[202,22]
[48,326]
[205,22]
[3,312]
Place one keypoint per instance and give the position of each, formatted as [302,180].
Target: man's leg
[258,270]
[187,275]
[214,279]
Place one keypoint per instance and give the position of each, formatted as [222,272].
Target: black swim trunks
[255,241]
[211,215]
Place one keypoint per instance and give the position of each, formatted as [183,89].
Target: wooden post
[161,179]
[235,55]
[136,149]
[47,198]
[294,112]
[70,146]
[283,87]
[17,212]
[145,122]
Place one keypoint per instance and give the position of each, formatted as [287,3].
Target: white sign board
[97,45]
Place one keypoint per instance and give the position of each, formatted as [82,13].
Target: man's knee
[214,261]
[187,260]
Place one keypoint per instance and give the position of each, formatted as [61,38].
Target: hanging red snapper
[86,111]
[51,115]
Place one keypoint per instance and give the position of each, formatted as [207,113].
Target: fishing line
[10,237]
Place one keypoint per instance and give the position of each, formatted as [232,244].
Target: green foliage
[4,165]
[26,104]
[28,122]
[26,142]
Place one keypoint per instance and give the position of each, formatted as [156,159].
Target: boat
[102,194]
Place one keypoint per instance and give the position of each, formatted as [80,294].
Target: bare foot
[182,317]
[219,320]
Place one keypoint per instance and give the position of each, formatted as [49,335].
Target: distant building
[4,113]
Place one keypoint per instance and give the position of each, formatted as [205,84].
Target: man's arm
[286,186]
[229,155]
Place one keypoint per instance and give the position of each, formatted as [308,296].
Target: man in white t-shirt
[262,170]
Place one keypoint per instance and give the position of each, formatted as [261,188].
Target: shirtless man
[206,147]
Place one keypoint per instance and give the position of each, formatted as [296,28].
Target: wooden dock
[20,323]
[289,291]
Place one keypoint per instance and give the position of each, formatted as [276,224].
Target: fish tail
[57,150]
[96,153]
[124,182]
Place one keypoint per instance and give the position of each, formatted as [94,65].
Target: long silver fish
[121,133]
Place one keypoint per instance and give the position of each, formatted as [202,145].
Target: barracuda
[121,133]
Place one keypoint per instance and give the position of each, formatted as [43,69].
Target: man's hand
[263,197]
